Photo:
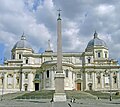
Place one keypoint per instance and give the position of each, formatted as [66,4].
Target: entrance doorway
[26,87]
[78,86]
[36,86]
[90,86]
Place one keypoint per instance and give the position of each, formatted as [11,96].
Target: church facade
[88,70]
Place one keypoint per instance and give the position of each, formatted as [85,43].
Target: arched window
[20,56]
[115,79]
[89,60]
[26,87]
[99,55]
[26,61]
[98,79]
[17,80]
[47,73]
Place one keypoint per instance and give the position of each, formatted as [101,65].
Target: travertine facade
[88,70]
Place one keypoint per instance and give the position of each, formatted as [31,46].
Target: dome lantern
[95,35]
[23,37]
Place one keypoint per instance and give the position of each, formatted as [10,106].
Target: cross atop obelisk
[59,94]
[59,14]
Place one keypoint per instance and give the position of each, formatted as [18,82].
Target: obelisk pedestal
[59,95]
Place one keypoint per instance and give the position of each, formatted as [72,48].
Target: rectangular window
[98,80]
[105,55]
[19,56]
[66,72]
[2,81]
[115,80]
[47,73]
[107,80]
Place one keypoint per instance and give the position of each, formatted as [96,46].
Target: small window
[47,73]
[105,55]
[13,56]
[2,80]
[26,76]
[115,80]
[26,87]
[17,81]
[98,80]
[26,61]
[99,55]
[19,56]
[88,60]
[66,72]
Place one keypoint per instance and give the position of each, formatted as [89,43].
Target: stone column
[118,80]
[5,81]
[94,80]
[30,81]
[59,94]
[22,82]
[14,79]
[86,82]
[102,81]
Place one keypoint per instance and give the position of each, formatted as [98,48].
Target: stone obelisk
[59,94]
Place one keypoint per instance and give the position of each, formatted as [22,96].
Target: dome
[22,43]
[96,42]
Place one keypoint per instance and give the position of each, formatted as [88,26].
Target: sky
[38,20]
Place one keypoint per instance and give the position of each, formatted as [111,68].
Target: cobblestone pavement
[47,103]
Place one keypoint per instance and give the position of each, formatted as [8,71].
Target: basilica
[88,70]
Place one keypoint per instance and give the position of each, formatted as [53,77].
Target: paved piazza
[47,103]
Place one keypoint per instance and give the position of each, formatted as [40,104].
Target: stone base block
[59,97]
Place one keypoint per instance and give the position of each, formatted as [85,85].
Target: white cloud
[104,9]
[80,18]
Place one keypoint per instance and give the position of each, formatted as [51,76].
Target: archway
[90,86]
[26,87]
